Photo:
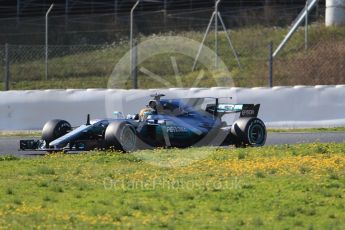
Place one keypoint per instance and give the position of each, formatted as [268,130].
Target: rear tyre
[249,132]
[121,136]
[54,129]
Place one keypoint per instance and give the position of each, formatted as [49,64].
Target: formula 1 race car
[176,123]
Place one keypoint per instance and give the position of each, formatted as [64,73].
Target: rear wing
[245,110]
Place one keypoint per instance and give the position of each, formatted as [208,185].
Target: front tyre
[121,136]
[54,129]
[249,132]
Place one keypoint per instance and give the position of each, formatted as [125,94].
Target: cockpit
[203,107]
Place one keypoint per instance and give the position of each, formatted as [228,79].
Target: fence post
[216,34]
[46,40]
[134,69]
[7,69]
[165,13]
[306,26]
[270,65]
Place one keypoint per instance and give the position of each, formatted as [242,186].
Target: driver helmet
[144,113]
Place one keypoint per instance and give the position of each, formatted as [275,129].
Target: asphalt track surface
[10,145]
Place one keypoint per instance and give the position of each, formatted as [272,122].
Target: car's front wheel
[121,136]
[54,129]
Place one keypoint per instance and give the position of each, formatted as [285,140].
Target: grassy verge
[22,133]
[289,187]
[66,83]
[308,130]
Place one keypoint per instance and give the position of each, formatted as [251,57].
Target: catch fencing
[83,50]
[27,62]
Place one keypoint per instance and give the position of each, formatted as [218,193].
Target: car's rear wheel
[249,132]
[54,129]
[121,136]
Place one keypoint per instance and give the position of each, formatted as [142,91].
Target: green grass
[308,130]
[66,83]
[281,187]
[93,67]
[24,133]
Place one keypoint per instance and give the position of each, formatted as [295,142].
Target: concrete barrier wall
[281,107]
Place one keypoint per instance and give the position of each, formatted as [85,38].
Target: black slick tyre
[54,129]
[121,136]
[249,132]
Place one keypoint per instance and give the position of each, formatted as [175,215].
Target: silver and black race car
[175,123]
